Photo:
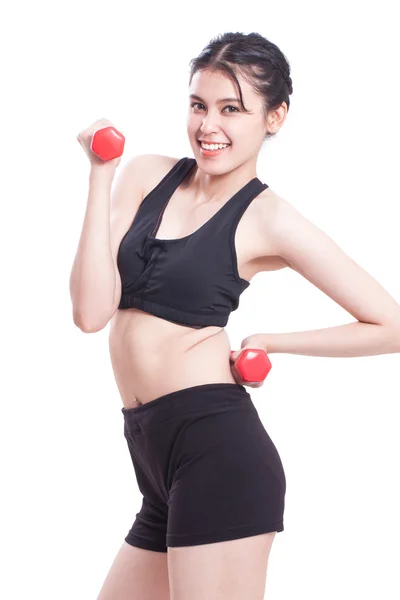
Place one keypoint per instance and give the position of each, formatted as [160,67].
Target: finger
[233,355]
[236,376]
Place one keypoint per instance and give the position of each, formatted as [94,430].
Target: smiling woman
[187,235]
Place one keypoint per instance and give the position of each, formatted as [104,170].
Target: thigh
[231,570]
[136,574]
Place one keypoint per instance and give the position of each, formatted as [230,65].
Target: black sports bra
[193,280]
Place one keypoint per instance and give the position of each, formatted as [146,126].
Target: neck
[209,188]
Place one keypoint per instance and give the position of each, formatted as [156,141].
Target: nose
[210,123]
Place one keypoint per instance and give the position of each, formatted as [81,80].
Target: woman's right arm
[95,283]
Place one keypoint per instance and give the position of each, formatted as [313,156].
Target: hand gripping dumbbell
[253,365]
[107,143]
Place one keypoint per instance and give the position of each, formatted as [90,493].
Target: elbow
[86,326]
[90,329]
[88,322]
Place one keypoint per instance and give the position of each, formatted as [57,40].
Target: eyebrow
[220,100]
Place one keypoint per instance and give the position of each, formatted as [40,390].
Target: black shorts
[206,467]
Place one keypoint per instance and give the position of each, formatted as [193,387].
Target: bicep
[126,196]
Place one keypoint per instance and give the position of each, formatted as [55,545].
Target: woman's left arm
[314,255]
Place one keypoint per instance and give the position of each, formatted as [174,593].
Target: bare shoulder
[281,229]
[155,168]
[270,211]
[281,222]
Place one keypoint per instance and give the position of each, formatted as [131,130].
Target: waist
[152,357]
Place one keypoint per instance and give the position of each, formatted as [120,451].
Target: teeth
[213,146]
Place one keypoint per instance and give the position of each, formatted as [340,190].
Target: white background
[69,493]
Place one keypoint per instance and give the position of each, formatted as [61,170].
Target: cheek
[192,127]
[193,122]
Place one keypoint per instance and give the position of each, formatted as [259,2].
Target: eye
[228,106]
[234,108]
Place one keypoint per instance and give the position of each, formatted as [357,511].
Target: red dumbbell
[107,143]
[253,365]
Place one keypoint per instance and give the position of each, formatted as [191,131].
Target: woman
[184,239]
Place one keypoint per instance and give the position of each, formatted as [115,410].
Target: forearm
[93,277]
[351,339]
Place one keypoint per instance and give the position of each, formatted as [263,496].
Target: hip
[207,431]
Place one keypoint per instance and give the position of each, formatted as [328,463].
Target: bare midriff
[152,357]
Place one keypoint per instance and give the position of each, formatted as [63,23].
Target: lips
[204,152]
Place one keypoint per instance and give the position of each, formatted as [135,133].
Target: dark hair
[256,59]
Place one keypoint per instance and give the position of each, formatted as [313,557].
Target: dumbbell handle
[253,365]
[107,143]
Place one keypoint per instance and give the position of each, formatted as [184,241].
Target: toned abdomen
[151,356]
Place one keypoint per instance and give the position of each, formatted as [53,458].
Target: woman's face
[213,118]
